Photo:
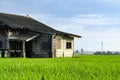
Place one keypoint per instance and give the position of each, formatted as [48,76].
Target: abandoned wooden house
[22,36]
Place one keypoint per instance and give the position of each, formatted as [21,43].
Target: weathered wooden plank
[24,54]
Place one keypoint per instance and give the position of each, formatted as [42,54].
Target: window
[68,45]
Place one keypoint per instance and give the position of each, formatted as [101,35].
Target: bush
[106,53]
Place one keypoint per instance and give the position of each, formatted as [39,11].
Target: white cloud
[95,20]
[88,16]
[111,1]
[80,20]
[92,40]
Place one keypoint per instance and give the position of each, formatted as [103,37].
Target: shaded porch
[21,45]
[16,49]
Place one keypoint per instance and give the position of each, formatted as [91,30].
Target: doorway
[28,48]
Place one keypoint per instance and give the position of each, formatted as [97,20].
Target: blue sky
[94,20]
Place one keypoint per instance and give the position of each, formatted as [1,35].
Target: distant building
[22,36]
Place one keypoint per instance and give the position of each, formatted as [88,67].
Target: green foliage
[82,67]
[106,53]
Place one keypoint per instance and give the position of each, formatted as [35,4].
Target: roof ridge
[20,15]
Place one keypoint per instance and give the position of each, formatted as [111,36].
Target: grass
[83,67]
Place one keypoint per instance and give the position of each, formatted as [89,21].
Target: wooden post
[8,48]
[64,47]
[53,46]
[8,43]
[73,48]
[24,54]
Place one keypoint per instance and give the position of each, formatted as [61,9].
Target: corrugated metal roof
[20,22]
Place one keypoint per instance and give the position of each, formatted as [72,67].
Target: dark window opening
[0,45]
[68,45]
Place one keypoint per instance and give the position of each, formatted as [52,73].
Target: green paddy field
[82,67]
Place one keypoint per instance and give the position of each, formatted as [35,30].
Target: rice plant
[84,67]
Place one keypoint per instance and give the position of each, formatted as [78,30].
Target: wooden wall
[46,45]
[59,46]
[42,46]
[3,39]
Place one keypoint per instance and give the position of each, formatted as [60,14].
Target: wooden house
[22,36]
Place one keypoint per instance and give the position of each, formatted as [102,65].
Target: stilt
[8,48]
[24,54]
[3,53]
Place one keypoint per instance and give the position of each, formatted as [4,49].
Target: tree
[77,51]
[82,51]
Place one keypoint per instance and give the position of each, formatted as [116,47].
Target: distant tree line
[80,52]
[106,53]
